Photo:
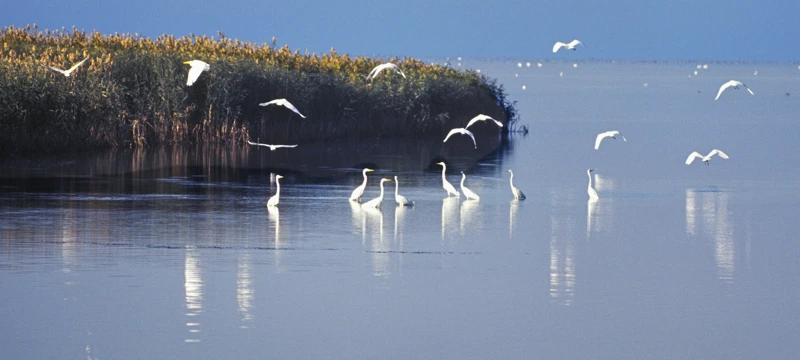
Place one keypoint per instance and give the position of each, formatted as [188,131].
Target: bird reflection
[449,213]
[512,216]
[275,222]
[603,183]
[562,261]
[244,291]
[599,216]
[716,224]
[379,248]
[193,287]
[467,215]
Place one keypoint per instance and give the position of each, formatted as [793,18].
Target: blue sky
[627,30]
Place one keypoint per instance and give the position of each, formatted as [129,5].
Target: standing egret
[446,184]
[197,67]
[68,72]
[271,147]
[400,199]
[569,46]
[471,195]
[733,83]
[375,71]
[482,117]
[285,103]
[612,134]
[275,199]
[706,158]
[590,189]
[357,192]
[518,195]
[376,202]
[461,131]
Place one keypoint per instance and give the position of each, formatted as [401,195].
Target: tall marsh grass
[132,92]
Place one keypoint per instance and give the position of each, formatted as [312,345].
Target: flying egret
[375,71]
[608,134]
[400,199]
[275,199]
[446,184]
[271,147]
[471,195]
[590,189]
[283,102]
[67,73]
[570,46]
[376,202]
[706,158]
[461,131]
[482,117]
[518,195]
[733,83]
[356,195]
[197,67]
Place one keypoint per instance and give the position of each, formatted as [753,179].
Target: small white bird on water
[590,189]
[285,103]
[518,195]
[275,199]
[400,199]
[446,184]
[608,134]
[271,147]
[471,195]
[733,83]
[357,192]
[376,202]
[197,67]
[461,131]
[376,70]
[482,117]
[68,72]
[569,46]
[706,158]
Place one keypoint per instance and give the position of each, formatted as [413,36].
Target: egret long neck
[443,170]
[381,189]
[278,182]
[511,180]
[463,177]
[590,178]
[396,187]
[365,178]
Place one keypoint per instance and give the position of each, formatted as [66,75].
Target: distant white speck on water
[516,75]
[695,72]
[575,65]
[523,87]
[540,65]
[528,64]
[699,66]
[478,70]
[519,64]
[459,58]
[705,66]
[756,73]
[561,74]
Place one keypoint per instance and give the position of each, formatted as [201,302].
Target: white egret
[608,134]
[271,147]
[400,199]
[68,72]
[376,70]
[275,199]
[283,102]
[569,46]
[357,192]
[706,158]
[482,117]
[461,131]
[518,195]
[590,189]
[376,202]
[733,83]
[197,67]
[446,184]
[471,195]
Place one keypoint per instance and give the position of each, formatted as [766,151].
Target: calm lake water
[172,253]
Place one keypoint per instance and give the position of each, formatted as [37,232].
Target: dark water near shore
[172,253]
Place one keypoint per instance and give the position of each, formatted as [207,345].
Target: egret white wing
[76,65]
[693,156]
[558,45]
[194,73]
[718,152]
[461,131]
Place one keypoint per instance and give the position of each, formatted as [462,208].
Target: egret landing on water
[706,158]
[461,131]
[285,103]
[375,71]
[400,199]
[271,147]
[471,195]
[482,117]
[275,199]
[376,202]
[518,195]
[590,189]
[67,73]
[733,83]
[608,134]
[569,46]
[446,184]
[197,67]
[357,192]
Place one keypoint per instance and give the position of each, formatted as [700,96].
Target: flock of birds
[197,67]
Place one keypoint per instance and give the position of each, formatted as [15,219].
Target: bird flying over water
[482,117]
[384,66]
[569,46]
[271,147]
[706,158]
[733,83]
[608,134]
[283,102]
[461,131]
[197,67]
[67,73]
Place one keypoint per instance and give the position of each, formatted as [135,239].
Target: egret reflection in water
[712,208]
[244,290]
[193,290]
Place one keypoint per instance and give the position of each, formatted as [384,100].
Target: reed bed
[132,92]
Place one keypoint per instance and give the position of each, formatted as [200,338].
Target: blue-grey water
[172,253]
